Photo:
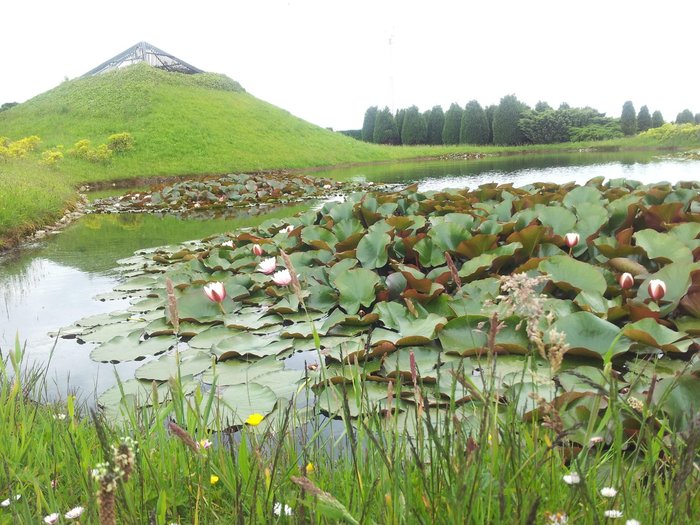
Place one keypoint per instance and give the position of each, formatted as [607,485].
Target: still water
[53,283]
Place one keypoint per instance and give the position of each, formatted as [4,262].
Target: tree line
[511,122]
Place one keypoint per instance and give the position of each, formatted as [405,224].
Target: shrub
[83,150]
[80,149]
[607,131]
[120,142]
[51,157]
[101,153]
[674,134]
[20,148]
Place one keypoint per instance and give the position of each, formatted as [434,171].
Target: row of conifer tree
[511,122]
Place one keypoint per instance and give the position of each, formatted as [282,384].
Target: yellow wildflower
[214,479]
[310,468]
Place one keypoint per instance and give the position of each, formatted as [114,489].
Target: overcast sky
[327,61]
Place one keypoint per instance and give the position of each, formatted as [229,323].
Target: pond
[53,283]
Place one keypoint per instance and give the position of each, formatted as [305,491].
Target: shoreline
[73,210]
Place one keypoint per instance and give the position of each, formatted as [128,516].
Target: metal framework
[145,52]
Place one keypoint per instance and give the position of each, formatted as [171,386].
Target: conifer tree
[453,122]
[657,119]
[474,128]
[643,119]
[385,130]
[368,124]
[414,129]
[436,122]
[505,121]
[685,117]
[628,119]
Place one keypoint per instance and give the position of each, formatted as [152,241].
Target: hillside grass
[182,125]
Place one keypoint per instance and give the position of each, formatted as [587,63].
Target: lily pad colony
[217,195]
[399,290]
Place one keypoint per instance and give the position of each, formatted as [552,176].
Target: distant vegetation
[509,123]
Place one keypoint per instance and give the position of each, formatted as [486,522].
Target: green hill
[182,124]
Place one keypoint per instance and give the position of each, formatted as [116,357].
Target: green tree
[453,121]
[564,105]
[697,118]
[505,121]
[436,122]
[628,118]
[8,105]
[385,130]
[542,106]
[490,110]
[474,127]
[399,120]
[414,129]
[643,119]
[545,127]
[685,117]
[657,119]
[368,124]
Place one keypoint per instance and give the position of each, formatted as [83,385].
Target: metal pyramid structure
[145,52]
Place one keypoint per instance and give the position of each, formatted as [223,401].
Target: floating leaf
[569,273]
[130,348]
[356,289]
[589,335]
[167,366]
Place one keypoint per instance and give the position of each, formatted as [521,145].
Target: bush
[51,157]
[607,131]
[120,142]
[83,150]
[674,134]
[19,148]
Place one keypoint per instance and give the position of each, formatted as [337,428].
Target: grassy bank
[432,466]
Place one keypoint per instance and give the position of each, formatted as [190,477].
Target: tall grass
[476,462]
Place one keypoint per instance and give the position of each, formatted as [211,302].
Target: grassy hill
[182,124]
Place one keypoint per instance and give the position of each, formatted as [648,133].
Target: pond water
[53,283]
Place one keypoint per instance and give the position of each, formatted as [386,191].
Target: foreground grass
[432,466]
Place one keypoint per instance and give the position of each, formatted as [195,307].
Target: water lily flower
[6,502]
[215,291]
[257,250]
[51,518]
[254,419]
[228,244]
[74,513]
[572,478]
[267,266]
[608,492]
[287,229]
[626,281]
[657,289]
[571,239]
[612,514]
[278,509]
[282,278]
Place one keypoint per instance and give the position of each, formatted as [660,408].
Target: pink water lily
[257,250]
[626,281]
[267,266]
[571,239]
[282,278]
[215,291]
[657,289]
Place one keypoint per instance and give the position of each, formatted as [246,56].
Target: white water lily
[282,278]
[267,266]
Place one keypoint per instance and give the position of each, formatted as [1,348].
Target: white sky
[327,61]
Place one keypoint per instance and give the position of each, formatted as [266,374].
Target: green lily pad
[250,344]
[589,335]
[569,273]
[356,289]
[130,348]
[372,249]
[663,247]
[167,366]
